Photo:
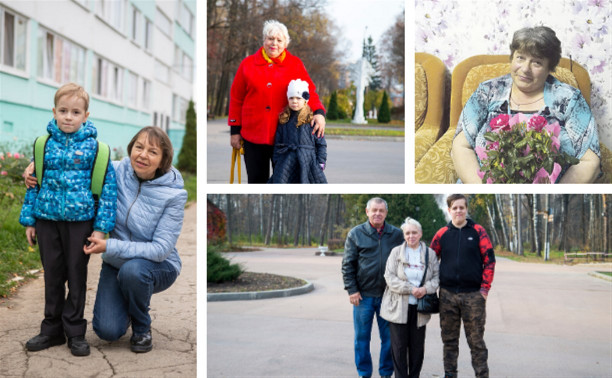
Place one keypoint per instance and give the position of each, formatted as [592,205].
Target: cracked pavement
[173,314]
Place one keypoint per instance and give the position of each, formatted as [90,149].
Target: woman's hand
[235,141]
[97,243]
[318,123]
[29,180]
[419,292]
[31,235]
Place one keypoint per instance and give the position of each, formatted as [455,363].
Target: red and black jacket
[467,260]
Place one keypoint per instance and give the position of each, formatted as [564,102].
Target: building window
[183,63]
[163,23]
[132,90]
[59,59]
[135,26]
[111,11]
[146,94]
[185,18]
[148,35]
[162,72]
[13,40]
[107,79]
[179,108]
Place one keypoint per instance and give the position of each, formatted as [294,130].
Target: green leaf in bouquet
[491,137]
[549,164]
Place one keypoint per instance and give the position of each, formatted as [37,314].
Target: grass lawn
[606,273]
[364,132]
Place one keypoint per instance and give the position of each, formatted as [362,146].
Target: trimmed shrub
[384,113]
[219,269]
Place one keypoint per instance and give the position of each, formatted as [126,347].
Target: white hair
[377,200]
[273,27]
[411,222]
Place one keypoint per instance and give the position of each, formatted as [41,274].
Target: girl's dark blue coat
[298,154]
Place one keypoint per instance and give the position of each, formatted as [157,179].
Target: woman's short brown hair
[539,41]
[157,137]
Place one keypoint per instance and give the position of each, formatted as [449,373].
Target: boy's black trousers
[61,252]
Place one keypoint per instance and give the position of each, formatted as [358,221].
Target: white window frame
[147,35]
[132,90]
[146,94]
[20,44]
[162,72]
[179,108]
[112,12]
[185,18]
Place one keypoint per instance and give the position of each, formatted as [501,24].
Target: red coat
[259,94]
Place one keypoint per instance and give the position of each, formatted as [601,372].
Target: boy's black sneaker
[40,342]
[78,346]
[141,343]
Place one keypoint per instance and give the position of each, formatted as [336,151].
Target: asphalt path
[350,160]
[542,321]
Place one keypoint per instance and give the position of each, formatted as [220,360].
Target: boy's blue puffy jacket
[149,217]
[65,192]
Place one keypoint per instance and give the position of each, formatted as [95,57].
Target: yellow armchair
[429,100]
[436,166]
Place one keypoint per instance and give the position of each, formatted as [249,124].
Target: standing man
[467,265]
[366,251]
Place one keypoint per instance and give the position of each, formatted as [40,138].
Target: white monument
[362,74]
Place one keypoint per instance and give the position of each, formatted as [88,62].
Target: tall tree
[188,159]
[369,53]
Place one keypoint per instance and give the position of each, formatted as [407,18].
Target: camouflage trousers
[471,308]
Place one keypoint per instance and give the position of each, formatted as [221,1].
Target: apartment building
[136,59]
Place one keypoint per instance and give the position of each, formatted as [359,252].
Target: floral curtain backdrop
[454,30]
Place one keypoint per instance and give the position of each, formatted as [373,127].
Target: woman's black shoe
[40,342]
[78,346]
[141,343]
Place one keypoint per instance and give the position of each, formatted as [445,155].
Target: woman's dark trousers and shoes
[62,257]
[124,295]
[257,159]
[408,346]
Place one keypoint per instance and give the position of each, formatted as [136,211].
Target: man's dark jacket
[365,258]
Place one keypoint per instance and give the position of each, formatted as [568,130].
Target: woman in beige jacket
[404,273]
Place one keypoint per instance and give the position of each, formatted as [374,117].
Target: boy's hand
[97,243]
[318,123]
[31,235]
[29,180]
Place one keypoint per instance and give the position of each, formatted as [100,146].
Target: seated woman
[530,88]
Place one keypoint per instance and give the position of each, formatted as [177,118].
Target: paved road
[350,160]
[542,321]
[174,329]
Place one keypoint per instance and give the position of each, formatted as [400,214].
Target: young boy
[62,213]
[299,157]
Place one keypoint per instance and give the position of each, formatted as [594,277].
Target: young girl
[299,157]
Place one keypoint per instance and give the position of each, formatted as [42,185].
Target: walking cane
[236,158]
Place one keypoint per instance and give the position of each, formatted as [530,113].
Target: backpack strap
[98,173]
[39,157]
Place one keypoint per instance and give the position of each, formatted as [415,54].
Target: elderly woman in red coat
[259,94]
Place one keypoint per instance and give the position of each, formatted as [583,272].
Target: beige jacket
[394,307]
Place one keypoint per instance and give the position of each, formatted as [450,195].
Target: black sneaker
[78,346]
[141,343]
[40,342]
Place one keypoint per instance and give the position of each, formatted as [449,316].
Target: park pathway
[542,321]
[350,160]
[174,329]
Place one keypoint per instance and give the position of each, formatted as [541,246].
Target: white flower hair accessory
[298,88]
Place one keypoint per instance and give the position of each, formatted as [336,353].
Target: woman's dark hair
[539,41]
[159,138]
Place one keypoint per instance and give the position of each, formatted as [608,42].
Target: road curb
[250,295]
[601,276]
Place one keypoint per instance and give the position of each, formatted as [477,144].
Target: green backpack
[98,172]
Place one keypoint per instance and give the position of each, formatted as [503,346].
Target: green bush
[219,269]
[187,159]
[384,113]
[332,109]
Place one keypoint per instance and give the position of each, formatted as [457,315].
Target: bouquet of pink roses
[522,149]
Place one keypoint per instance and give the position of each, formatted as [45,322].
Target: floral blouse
[563,103]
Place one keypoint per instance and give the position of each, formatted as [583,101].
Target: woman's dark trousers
[257,158]
[61,252]
[408,346]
